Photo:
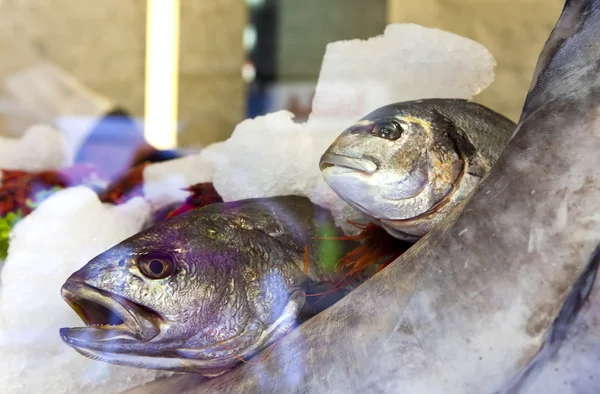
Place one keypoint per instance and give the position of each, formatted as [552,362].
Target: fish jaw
[172,364]
[411,207]
[348,163]
[350,172]
[122,346]
[100,310]
[379,193]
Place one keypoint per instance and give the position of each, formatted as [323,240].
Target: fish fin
[559,331]
[552,77]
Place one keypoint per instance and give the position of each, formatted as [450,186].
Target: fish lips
[409,186]
[352,164]
[108,317]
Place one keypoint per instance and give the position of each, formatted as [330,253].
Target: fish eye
[156,266]
[390,131]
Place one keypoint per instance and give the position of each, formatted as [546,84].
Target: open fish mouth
[121,332]
[347,162]
[107,316]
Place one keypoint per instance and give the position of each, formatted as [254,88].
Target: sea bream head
[405,164]
[195,293]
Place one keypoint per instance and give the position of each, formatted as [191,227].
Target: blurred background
[195,68]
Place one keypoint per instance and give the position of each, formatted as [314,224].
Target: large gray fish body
[407,165]
[202,290]
[501,297]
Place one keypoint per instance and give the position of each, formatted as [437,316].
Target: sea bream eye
[156,266]
[390,130]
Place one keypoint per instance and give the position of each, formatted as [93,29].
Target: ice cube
[41,148]
[55,240]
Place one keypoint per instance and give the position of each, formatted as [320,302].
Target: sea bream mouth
[352,164]
[108,317]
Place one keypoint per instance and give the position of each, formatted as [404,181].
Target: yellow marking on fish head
[421,122]
[363,122]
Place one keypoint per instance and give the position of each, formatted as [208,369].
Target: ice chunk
[164,181]
[271,155]
[268,156]
[41,148]
[407,62]
[272,173]
[55,240]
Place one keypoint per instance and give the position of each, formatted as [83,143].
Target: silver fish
[407,165]
[501,297]
[205,289]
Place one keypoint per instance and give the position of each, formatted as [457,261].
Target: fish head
[173,297]
[396,163]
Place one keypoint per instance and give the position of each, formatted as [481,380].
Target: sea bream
[407,165]
[201,291]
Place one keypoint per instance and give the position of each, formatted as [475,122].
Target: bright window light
[249,37]
[162,73]
[255,3]
[248,72]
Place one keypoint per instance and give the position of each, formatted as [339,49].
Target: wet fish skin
[406,165]
[237,276]
[504,296]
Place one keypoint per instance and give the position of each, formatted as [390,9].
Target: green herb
[6,225]
[329,252]
[8,222]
